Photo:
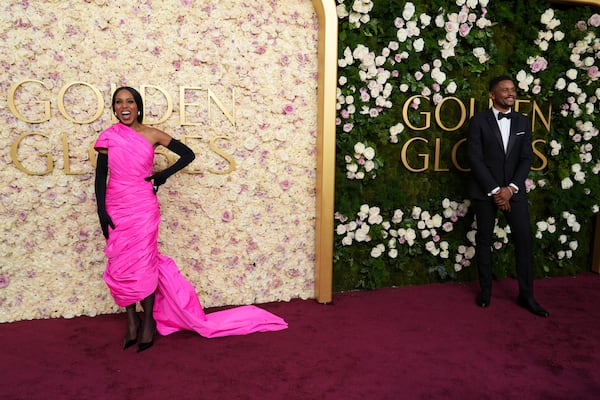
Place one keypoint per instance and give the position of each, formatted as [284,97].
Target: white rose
[409,11]
[573,88]
[566,183]
[402,35]
[572,74]
[562,239]
[359,148]
[558,36]
[438,75]
[341,11]
[560,84]
[419,44]
[439,21]
[425,20]
[547,16]
[369,153]
[376,251]
[451,88]
[347,240]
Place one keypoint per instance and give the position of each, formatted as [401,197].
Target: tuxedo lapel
[513,131]
[491,120]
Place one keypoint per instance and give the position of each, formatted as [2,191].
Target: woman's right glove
[100,186]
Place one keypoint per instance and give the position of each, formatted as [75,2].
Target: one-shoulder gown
[135,267]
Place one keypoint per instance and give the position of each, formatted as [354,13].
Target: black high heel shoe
[145,346]
[127,343]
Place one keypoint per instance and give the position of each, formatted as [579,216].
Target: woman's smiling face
[125,107]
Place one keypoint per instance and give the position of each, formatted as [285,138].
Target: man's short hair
[495,81]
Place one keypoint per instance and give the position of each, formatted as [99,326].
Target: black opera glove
[158,179]
[100,186]
[186,156]
[105,221]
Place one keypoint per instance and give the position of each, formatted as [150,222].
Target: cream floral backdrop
[240,223]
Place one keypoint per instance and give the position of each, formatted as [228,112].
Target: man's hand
[502,198]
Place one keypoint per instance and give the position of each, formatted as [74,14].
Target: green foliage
[411,180]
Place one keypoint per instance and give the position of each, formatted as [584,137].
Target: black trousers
[518,219]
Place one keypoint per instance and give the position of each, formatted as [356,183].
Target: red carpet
[422,342]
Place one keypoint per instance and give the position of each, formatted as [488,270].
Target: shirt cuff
[512,185]
[494,191]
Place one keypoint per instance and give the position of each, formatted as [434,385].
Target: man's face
[503,95]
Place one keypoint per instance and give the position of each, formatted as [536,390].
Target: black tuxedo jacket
[491,166]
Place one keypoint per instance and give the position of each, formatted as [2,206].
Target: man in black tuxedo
[499,147]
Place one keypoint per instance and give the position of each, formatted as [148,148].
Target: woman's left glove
[186,156]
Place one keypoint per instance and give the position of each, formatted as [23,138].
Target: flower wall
[235,80]
[410,76]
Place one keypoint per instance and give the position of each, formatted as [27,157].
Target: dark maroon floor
[422,342]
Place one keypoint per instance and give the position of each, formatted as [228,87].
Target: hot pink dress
[136,269]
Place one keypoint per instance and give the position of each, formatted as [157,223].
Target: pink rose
[227,216]
[539,64]
[4,281]
[593,72]
[284,184]
[464,30]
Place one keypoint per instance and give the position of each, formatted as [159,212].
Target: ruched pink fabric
[136,269]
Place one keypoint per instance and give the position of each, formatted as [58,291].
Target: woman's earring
[139,113]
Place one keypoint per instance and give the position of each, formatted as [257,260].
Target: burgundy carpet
[422,342]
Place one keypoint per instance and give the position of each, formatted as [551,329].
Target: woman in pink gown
[129,215]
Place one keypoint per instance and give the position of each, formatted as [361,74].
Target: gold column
[324,229]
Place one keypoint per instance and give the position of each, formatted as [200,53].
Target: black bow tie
[502,115]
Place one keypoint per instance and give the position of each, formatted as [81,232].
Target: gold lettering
[66,157]
[425,156]
[184,140]
[471,107]
[537,111]
[518,105]
[93,154]
[538,153]
[16,113]
[15,158]
[407,104]
[230,116]
[463,114]
[455,159]
[99,103]
[183,104]
[227,157]
[436,157]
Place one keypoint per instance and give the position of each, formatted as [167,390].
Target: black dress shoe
[532,306]
[483,300]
